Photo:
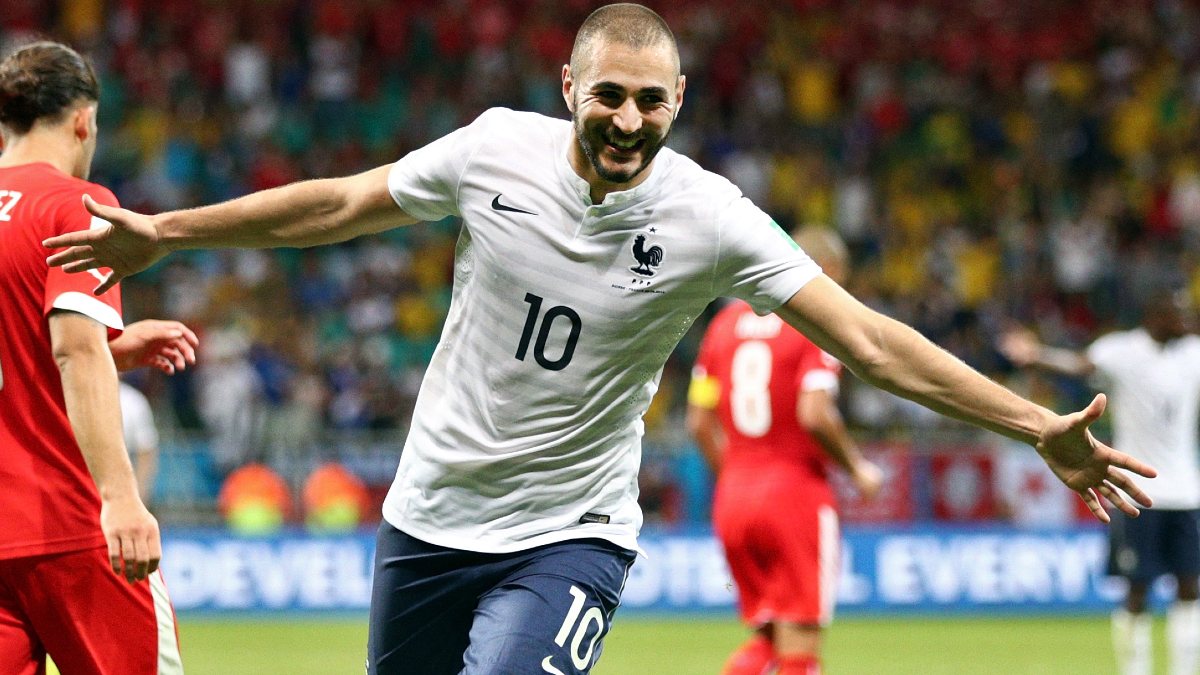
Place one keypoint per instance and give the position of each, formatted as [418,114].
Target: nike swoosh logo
[504,207]
[549,667]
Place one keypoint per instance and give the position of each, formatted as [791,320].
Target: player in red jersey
[78,550]
[762,406]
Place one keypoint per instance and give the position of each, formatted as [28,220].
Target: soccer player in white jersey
[141,437]
[1154,372]
[587,250]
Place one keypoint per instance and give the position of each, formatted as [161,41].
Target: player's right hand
[128,244]
[1019,345]
[131,532]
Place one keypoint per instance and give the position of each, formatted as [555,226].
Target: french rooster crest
[646,257]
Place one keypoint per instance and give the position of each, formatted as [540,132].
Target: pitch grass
[698,646]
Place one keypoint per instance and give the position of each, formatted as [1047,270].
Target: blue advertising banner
[929,569]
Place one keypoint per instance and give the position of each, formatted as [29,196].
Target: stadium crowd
[988,162]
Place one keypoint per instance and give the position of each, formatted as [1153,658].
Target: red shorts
[88,619]
[782,542]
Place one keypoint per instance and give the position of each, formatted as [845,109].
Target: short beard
[617,177]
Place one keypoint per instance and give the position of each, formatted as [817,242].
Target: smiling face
[623,101]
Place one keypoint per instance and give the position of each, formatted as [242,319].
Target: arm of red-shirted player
[307,213]
[169,346]
[89,379]
[818,413]
[703,395]
[705,428]
[894,357]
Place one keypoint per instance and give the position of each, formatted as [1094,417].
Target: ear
[679,87]
[83,122]
[568,85]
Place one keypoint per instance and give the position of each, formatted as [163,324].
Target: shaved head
[625,24]
[623,89]
[825,247]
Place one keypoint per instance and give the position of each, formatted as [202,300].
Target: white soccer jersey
[137,421]
[527,429]
[1155,402]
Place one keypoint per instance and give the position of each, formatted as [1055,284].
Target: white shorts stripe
[829,541]
[170,662]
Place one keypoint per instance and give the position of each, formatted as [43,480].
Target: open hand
[1088,466]
[169,346]
[129,244]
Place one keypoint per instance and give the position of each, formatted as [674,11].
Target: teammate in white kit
[587,250]
[1154,373]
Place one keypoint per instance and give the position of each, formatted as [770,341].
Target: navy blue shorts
[442,611]
[1155,543]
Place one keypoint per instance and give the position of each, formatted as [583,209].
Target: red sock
[799,665]
[752,658]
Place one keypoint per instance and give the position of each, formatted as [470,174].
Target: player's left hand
[132,535]
[169,346]
[1088,466]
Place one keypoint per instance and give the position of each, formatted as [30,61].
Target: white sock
[1183,637]
[1131,642]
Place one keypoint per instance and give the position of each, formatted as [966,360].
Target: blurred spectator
[230,400]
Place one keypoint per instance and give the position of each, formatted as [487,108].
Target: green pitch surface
[684,646]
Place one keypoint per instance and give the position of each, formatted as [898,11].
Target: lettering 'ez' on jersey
[49,500]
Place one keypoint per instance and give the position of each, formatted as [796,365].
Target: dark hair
[624,23]
[42,80]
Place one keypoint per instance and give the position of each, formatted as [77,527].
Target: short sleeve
[1106,354]
[1194,352]
[73,292]
[425,182]
[759,262]
[819,371]
[137,420]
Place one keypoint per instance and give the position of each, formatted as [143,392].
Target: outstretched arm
[894,357]
[1022,347]
[301,214]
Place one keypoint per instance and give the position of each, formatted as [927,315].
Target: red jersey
[48,501]
[754,368]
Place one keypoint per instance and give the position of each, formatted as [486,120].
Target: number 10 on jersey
[543,335]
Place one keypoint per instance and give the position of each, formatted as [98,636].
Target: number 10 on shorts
[577,626]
